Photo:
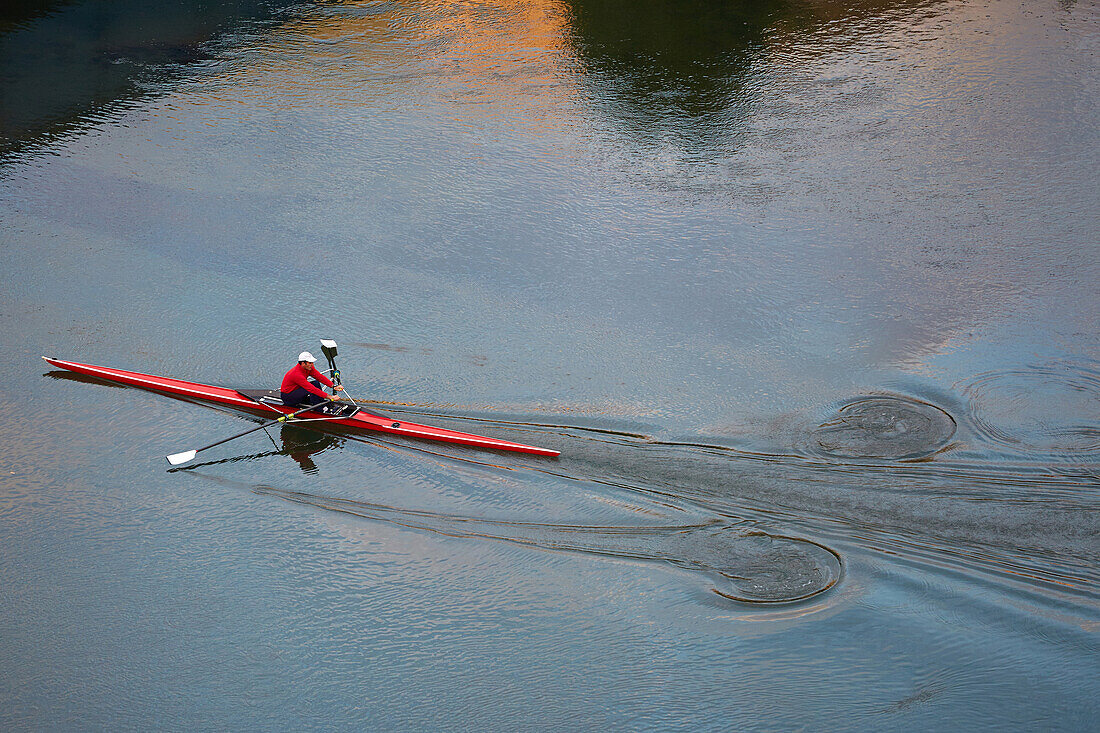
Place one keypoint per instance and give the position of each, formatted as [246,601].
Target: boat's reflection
[299,443]
[302,444]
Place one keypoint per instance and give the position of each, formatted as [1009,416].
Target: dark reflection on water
[658,75]
[83,378]
[16,13]
[300,444]
[696,84]
[69,63]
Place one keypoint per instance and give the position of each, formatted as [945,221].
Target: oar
[177,458]
[328,348]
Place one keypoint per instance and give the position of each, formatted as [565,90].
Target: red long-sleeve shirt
[299,377]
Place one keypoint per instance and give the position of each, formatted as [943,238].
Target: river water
[804,292]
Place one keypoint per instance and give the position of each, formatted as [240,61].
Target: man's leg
[300,397]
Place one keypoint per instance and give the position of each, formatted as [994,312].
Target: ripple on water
[1050,409]
[885,426]
[749,566]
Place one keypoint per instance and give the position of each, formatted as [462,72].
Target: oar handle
[281,418]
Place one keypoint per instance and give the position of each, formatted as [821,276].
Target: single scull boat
[267,401]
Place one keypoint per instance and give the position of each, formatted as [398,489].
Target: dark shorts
[301,396]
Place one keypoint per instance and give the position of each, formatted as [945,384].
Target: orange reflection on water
[508,60]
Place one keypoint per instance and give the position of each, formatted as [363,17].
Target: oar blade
[178,458]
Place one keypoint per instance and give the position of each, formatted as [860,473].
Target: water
[803,292]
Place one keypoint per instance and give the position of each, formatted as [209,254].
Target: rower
[302,384]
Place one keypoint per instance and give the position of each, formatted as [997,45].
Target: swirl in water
[885,427]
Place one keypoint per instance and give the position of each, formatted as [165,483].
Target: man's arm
[321,377]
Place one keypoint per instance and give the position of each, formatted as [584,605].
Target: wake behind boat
[268,402]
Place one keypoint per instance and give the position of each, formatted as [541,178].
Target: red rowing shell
[225,396]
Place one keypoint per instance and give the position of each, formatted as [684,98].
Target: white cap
[306,356]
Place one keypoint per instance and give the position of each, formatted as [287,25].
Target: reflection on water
[667,82]
[822,270]
[109,53]
[302,444]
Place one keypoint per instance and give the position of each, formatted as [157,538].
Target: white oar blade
[177,458]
